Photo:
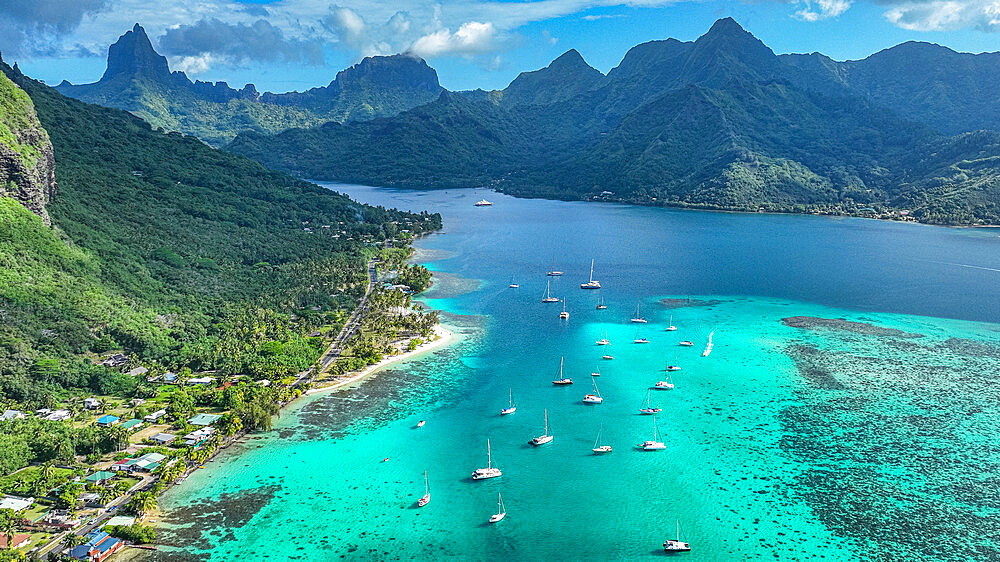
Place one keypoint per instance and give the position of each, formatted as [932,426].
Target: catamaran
[427,493]
[562,379]
[676,545]
[664,384]
[652,445]
[649,410]
[592,284]
[548,297]
[511,408]
[564,315]
[501,510]
[598,448]
[545,437]
[490,471]
[670,324]
[595,397]
[638,319]
[554,272]
[601,305]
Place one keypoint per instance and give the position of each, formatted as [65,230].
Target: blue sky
[282,45]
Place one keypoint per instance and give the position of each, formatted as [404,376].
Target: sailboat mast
[546,421]
[489,454]
[591,270]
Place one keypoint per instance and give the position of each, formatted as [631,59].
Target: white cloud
[822,9]
[595,17]
[548,37]
[946,15]
[471,38]
[194,65]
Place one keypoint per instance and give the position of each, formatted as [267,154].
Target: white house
[12,415]
[15,503]
[59,415]
[91,403]
[155,416]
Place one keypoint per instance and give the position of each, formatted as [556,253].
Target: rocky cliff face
[27,163]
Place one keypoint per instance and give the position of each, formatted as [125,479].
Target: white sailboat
[604,339]
[427,493]
[649,410]
[511,408]
[596,373]
[595,397]
[670,324]
[548,297]
[562,380]
[513,285]
[564,315]
[666,384]
[490,471]
[545,437]
[638,339]
[501,510]
[598,448]
[676,545]
[554,272]
[601,305]
[653,445]
[671,368]
[638,319]
[592,284]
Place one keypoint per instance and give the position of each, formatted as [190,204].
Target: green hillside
[719,123]
[173,251]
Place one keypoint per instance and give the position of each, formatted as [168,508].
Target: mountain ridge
[138,79]
[719,122]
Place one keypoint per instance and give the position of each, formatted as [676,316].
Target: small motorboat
[686,343]
[421,423]
[607,357]
[640,340]
[483,203]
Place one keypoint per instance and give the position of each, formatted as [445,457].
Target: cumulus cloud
[938,15]
[32,26]
[471,38]
[822,9]
[197,46]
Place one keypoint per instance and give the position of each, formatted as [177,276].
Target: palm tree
[118,436]
[143,503]
[7,526]
[106,495]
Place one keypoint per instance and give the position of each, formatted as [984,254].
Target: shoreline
[444,337]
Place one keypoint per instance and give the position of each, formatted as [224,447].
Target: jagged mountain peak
[133,53]
[565,77]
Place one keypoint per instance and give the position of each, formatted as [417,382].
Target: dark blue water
[842,262]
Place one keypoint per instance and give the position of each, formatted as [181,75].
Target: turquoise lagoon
[849,409]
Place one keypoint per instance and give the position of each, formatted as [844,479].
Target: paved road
[351,325]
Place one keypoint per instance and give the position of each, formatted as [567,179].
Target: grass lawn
[35,512]
[20,482]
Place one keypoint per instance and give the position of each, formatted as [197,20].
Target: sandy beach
[443,337]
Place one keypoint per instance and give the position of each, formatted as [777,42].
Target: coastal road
[333,352]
